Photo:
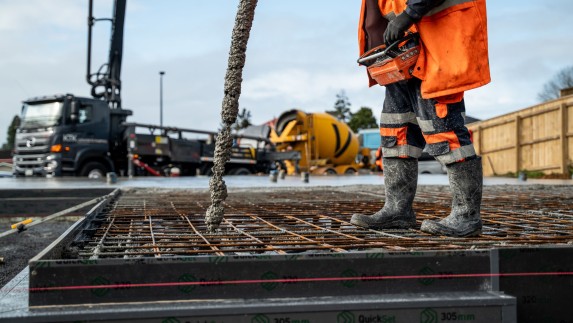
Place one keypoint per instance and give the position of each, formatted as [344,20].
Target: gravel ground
[18,248]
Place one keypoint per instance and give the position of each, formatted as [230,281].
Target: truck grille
[32,143]
[31,150]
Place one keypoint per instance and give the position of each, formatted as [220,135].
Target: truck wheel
[330,171]
[94,170]
[240,171]
[350,171]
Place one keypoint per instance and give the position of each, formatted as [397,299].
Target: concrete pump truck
[71,135]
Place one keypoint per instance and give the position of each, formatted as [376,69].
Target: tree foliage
[243,120]
[341,107]
[562,80]
[11,133]
[363,119]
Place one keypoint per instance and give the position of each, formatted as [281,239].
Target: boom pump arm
[106,82]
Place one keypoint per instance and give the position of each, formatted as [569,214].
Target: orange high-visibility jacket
[454,51]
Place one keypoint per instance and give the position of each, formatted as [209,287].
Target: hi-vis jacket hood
[454,53]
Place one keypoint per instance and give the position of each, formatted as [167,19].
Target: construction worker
[428,109]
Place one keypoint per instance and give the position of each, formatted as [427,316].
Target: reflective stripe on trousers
[409,124]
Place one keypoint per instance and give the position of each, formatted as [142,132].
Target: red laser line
[296,280]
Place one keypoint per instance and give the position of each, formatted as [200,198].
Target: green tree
[11,134]
[341,107]
[363,119]
[552,89]
[243,120]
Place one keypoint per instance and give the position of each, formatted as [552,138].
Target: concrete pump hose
[229,110]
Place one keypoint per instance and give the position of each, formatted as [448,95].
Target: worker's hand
[397,27]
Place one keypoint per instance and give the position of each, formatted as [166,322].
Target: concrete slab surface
[249,181]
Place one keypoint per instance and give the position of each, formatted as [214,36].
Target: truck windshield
[41,115]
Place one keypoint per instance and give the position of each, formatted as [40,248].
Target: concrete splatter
[230,108]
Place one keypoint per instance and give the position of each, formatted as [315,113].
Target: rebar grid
[172,223]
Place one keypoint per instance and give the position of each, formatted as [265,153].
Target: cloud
[295,84]
[24,16]
[300,55]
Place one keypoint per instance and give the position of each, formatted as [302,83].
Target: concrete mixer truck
[326,144]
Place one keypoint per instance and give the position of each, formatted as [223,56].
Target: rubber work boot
[400,182]
[466,181]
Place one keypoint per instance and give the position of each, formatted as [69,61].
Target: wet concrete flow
[229,111]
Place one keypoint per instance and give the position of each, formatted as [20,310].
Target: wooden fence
[539,138]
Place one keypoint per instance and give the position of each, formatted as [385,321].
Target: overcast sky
[300,55]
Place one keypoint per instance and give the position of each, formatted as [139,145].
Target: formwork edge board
[69,235]
[275,276]
[17,308]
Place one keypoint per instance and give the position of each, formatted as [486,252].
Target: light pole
[161,73]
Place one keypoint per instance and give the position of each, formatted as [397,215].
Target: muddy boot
[466,180]
[400,181]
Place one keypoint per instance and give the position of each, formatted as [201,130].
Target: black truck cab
[68,135]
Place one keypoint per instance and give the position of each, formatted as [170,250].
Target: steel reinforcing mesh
[151,223]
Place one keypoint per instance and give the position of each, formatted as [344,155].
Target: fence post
[564,140]
[517,144]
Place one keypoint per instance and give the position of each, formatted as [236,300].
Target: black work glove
[397,27]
